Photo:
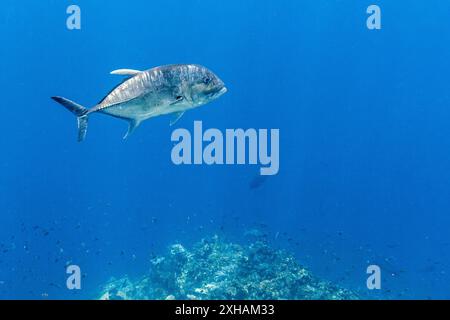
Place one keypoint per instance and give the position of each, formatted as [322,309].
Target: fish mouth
[222,91]
[216,92]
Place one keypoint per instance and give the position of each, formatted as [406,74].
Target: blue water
[364,139]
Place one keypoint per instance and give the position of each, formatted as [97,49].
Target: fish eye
[207,80]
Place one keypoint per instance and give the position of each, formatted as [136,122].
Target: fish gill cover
[214,269]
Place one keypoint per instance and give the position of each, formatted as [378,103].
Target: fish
[169,89]
[257,181]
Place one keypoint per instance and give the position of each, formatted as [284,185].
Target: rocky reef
[215,269]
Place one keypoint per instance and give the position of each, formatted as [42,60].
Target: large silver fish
[147,94]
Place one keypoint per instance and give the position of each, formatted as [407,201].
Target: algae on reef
[214,269]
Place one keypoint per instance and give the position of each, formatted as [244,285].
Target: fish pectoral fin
[132,125]
[177,117]
[177,100]
[126,72]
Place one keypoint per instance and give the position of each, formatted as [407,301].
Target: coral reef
[214,269]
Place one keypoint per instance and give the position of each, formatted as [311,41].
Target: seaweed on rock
[214,269]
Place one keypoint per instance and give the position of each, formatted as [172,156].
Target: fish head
[205,87]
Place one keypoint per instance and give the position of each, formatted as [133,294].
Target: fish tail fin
[79,111]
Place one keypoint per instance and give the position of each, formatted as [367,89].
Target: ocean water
[363,115]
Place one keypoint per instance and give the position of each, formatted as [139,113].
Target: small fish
[146,94]
[257,181]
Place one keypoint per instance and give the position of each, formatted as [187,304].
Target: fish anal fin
[176,117]
[132,125]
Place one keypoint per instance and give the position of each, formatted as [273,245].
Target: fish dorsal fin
[132,125]
[177,117]
[126,72]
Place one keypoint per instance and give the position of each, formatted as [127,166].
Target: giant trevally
[146,94]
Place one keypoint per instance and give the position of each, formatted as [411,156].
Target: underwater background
[364,142]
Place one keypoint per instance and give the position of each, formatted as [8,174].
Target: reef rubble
[214,269]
